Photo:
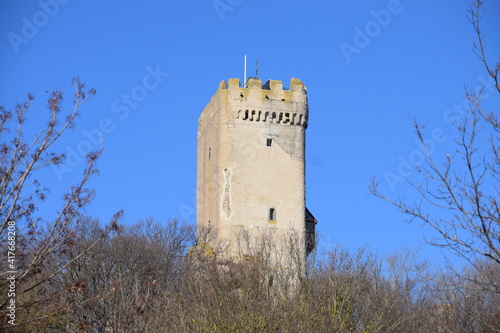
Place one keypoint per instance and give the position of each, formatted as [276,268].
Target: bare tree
[343,292]
[461,306]
[124,284]
[29,240]
[458,195]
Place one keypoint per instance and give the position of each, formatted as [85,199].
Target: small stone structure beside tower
[251,165]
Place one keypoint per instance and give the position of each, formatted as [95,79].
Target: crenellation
[233,84]
[254,83]
[274,85]
[272,91]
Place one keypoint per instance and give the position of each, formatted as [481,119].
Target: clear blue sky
[367,66]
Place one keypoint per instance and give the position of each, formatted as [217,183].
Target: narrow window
[269,142]
[209,153]
[272,214]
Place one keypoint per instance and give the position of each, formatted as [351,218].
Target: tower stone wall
[251,162]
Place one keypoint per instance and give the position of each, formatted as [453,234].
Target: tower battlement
[258,103]
[271,90]
[267,103]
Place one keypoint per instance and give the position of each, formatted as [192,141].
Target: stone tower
[251,163]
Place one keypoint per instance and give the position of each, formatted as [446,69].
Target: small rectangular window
[269,142]
[272,214]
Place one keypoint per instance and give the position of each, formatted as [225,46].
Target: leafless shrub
[458,193]
[36,239]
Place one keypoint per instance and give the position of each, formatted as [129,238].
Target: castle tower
[251,163]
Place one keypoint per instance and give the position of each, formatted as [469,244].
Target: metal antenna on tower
[245,72]
[257,68]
